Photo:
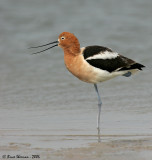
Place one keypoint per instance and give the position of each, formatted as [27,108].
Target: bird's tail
[137,66]
[132,66]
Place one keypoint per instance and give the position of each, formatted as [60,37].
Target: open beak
[46,45]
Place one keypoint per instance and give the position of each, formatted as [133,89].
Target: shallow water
[41,104]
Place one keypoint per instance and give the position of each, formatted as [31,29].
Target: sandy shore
[140,149]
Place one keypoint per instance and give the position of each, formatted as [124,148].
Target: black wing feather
[93,50]
[120,63]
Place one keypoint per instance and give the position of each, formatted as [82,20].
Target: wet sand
[124,149]
[115,150]
[112,147]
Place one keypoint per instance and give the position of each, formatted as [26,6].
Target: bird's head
[67,41]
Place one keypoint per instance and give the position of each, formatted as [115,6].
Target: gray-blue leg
[128,74]
[99,111]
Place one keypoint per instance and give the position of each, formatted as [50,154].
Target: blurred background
[38,96]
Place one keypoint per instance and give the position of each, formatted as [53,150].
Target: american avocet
[93,64]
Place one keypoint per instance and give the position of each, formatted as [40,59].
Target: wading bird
[93,64]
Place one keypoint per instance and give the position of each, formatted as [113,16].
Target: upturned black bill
[45,45]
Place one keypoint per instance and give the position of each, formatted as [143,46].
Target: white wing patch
[104,55]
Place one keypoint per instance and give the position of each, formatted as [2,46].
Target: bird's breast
[80,68]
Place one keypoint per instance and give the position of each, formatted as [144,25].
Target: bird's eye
[62,38]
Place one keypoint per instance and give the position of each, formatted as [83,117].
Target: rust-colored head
[69,42]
